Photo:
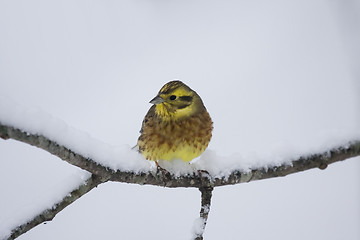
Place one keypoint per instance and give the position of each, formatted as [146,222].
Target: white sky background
[275,76]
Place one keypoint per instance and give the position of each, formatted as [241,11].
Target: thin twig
[49,214]
[206,194]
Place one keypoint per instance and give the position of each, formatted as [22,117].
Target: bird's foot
[162,170]
[202,174]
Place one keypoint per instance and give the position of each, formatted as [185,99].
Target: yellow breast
[183,139]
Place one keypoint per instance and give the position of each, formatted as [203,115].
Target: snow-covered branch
[320,160]
[49,214]
[202,180]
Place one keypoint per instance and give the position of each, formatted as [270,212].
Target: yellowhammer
[177,126]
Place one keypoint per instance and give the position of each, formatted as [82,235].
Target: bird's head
[176,100]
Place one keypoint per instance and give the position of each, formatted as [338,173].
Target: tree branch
[205,184]
[206,194]
[320,160]
[49,214]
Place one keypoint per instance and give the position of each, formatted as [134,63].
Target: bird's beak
[157,100]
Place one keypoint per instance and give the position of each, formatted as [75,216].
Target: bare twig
[49,214]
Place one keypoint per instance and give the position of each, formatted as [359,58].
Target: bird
[177,125]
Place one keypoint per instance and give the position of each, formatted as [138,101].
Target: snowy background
[278,77]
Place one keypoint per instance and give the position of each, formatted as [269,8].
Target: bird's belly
[184,140]
[185,153]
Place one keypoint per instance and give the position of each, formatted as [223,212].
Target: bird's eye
[172,97]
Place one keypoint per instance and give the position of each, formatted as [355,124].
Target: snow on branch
[138,172]
[167,179]
[49,214]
